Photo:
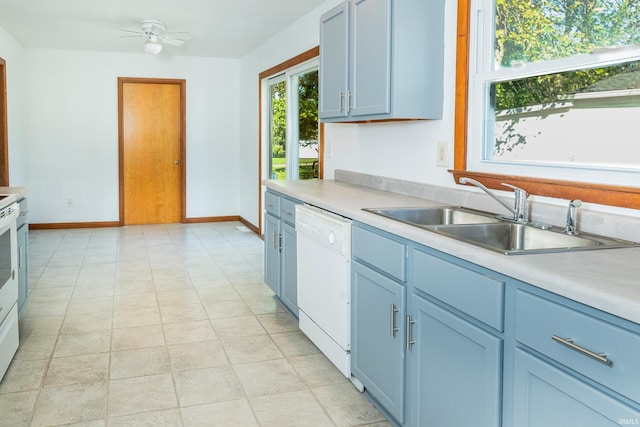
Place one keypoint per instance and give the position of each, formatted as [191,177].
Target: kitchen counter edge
[604,279]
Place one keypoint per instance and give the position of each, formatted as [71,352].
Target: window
[290,139]
[293,123]
[553,89]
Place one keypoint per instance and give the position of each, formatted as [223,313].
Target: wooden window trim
[628,197]
[298,59]
[4,132]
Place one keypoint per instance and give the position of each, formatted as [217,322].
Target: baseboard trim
[249,225]
[203,219]
[63,225]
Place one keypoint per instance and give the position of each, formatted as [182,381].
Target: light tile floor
[165,325]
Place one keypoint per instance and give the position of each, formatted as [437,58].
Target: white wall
[299,37]
[13,53]
[73,131]
[63,126]
[403,150]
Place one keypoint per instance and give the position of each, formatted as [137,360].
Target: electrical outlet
[442,157]
[69,202]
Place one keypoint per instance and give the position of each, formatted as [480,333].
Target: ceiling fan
[154,31]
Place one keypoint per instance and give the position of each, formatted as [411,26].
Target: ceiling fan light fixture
[153,46]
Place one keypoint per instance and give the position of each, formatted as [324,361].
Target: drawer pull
[392,314]
[287,212]
[568,342]
[408,340]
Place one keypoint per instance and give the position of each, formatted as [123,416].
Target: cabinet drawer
[539,319]
[272,203]
[288,210]
[381,252]
[471,292]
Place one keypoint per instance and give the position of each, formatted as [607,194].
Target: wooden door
[151,151]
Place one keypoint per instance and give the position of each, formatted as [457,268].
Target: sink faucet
[520,210]
[572,224]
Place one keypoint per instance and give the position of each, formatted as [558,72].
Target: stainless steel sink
[427,217]
[517,238]
[496,233]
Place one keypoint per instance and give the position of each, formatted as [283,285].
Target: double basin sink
[497,233]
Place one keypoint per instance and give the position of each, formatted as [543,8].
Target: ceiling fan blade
[172,41]
[180,35]
[131,36]
[132,31]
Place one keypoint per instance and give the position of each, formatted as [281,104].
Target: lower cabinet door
[289,270]
[377,356]
[545,396]
[455,370]
[272,253]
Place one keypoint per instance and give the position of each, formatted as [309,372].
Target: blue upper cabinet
[382,60]
[334,34]
[371,63]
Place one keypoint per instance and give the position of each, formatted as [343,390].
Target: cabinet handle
[349,96]
[275,241]
[408,341]
[280,242]
[568,342]
[340,102]
[392,315]
[287,212]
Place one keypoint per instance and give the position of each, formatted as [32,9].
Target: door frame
[183,140]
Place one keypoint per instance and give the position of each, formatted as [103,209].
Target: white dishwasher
[324,282]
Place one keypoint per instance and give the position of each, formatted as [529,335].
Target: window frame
[291,78]
[4,132]
[613,195]
[262,77]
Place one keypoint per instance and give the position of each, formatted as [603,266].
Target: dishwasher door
[324,282]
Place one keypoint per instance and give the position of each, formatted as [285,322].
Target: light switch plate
[442,155]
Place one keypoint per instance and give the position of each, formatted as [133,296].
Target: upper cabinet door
[334,60]
[382,60]
[371,52]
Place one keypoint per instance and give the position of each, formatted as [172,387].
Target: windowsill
[626,197]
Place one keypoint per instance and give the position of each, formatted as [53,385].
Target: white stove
[9,339]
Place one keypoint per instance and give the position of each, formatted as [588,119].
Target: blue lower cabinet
[483,349]
[546,396]
[455,370]
[378,313]
[272,252]
[280,246]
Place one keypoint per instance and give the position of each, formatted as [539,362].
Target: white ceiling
[218,28]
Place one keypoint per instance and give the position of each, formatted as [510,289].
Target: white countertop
[18,192]
[607,279]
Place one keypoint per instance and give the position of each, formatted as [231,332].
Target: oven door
[8,285]
[8,259]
